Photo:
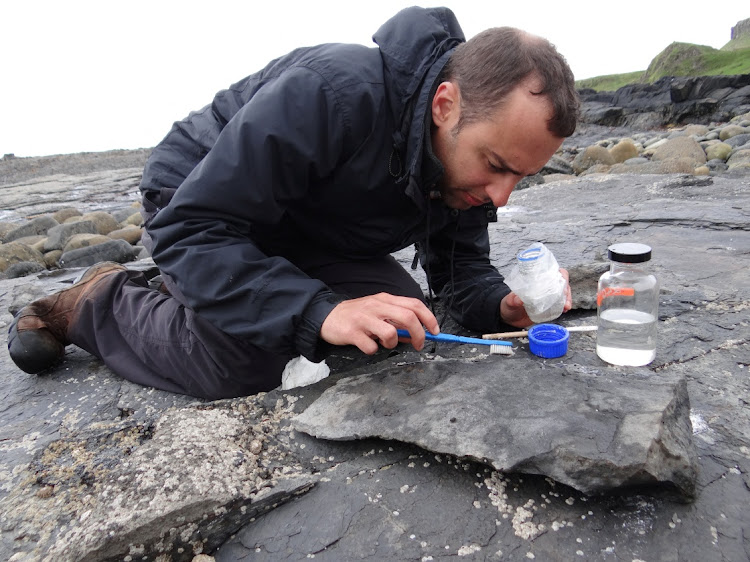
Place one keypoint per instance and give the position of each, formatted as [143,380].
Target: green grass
[681,59]
[610,82]
[738,43]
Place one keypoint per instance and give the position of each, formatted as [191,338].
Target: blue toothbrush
[496,347]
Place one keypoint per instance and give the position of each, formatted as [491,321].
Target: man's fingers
[568,292]
[366,345]
[367,320]
[424,315]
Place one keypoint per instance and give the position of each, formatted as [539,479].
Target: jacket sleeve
[290,133]
[475,288]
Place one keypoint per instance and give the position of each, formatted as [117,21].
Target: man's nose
[499,191]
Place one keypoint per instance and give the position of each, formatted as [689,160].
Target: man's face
[486,159]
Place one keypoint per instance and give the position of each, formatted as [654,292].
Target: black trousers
[154,339]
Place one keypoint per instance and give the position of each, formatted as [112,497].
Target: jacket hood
[411,43]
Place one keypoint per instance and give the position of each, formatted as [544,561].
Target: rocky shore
[40,231]
[447,453]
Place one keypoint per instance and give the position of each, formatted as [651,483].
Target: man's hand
[512,311]
[372,320]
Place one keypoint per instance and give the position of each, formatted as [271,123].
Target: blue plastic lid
[548,340]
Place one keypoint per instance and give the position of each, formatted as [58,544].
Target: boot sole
[34,351]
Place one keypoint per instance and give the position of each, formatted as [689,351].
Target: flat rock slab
[134,490]
[587,429]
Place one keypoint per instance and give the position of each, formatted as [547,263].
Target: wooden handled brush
[524,333]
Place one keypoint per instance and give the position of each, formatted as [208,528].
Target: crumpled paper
[303,372]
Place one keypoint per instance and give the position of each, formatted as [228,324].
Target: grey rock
[38,225]
[602,114]
[146,503]
[636,161]
[46,194]
[738,141]
[596,430]
[717,165]
[24,268]
[58,236]
[113,250]
[584,280]
[122,214]
[528,181]
[557,165]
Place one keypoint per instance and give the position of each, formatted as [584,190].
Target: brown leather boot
[38,334]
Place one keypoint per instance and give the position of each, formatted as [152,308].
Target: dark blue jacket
[326,147]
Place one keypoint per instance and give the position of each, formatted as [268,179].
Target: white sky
[88,76]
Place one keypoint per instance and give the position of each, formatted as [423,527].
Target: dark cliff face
[669,100]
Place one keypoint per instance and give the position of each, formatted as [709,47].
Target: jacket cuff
[489,319]
[307,340]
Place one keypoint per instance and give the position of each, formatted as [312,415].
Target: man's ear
[446,105]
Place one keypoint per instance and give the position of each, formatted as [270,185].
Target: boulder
[732,131]
[61,215]
[590,156]
[681,148]
[696,130]
[131,234]
[24,268]
[52,259]
[670,166]
[104,222]
[58,236]
[720,151]
[14,252]
[83,240]
[738,140]
[118,251]
[38,225]
[623,150]
[740,159]
[134,219]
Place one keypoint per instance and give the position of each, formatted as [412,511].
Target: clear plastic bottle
[537,280]
[627,307]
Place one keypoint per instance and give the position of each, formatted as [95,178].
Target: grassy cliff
[682,59]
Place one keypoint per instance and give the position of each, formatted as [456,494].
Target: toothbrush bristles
[496,349]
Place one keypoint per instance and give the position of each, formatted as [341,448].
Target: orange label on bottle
[613,292]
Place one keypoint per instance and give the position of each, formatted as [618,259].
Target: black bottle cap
[629,252]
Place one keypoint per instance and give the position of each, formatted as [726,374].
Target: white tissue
[302,372]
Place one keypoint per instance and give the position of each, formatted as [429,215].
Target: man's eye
[497,169]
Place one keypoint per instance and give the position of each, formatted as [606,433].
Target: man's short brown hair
[491,64]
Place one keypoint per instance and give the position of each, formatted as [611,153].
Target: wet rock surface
[581,426]
[96,468]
